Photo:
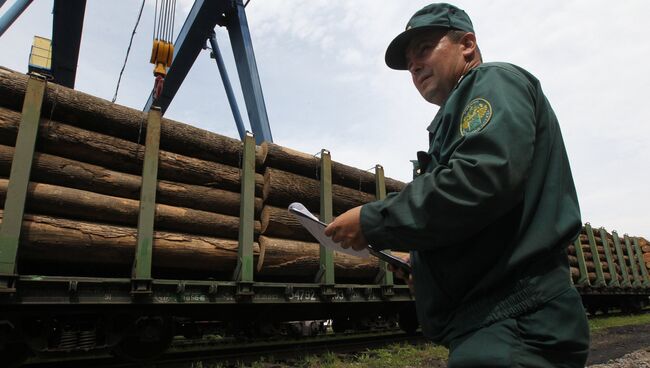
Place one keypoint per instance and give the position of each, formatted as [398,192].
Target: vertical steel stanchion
[244,270]
[620,254]
[384,277]
[21,166]
[325,275]
[611,265]
[141,275]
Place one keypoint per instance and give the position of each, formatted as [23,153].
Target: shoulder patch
[475,116]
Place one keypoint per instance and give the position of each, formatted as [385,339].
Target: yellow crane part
[162,53]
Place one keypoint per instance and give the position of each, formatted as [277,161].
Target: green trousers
[556,335]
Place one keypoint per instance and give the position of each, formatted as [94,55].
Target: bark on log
[96,114]
[307,165]
[282,188]
[70,244]
[575,274]
[88,206]
[276,263]
[573,261]
[121,155]
[74,245]
[74,174]
[277,222]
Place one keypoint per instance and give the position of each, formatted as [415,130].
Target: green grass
[405,355]
[602,322]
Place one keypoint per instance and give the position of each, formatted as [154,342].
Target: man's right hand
[407,278]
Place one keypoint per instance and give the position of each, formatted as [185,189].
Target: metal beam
[216,54]
[67,25]
[200,22]
[242,48]
[12,14]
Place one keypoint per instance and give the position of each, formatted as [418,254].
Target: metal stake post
[325,274]
[21,166]
[385,277]
[583,280]
[141,275]
[642,267]
[630,253]
[621,260]
[244,271]
[600,276]
[608,256]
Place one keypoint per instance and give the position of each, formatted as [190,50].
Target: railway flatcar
[122,229]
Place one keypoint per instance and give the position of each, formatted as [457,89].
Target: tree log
[279,223]
[121,155]
[70,173]
[99,249]
[345,266]
[80,204]
[573,261]
[307,165]
[99,115]
[70,244]
[282,188]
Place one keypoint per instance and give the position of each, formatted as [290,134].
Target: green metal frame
[642,267]
[635,271]
[325,275]
[600,276]
[621,260]
[385,277]
[613,282]
[583,279]
[141,273]
[244,271]
[21,166]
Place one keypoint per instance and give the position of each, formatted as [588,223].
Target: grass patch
[602,322]
[406,355]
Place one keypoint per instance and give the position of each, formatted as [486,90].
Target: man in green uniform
[489,217]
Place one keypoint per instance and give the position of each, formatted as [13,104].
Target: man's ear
[468,45]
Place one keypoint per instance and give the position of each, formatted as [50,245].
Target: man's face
[435,64]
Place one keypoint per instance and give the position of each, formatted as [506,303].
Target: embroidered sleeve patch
[475,116]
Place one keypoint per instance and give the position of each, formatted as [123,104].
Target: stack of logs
[83,199]
[600,246]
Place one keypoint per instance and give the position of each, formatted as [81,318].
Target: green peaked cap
[432,16]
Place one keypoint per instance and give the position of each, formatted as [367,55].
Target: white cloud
[326,86]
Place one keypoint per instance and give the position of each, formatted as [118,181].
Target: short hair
[455,35]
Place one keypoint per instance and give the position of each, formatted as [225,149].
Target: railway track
[183,352]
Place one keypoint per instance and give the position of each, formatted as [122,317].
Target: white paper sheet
[317,229]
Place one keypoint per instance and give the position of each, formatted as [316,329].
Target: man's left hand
[346,230]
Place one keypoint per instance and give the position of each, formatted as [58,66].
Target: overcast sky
[326,85]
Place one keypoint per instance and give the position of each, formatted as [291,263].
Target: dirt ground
[620,347]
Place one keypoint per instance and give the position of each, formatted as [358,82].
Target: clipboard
[317,229]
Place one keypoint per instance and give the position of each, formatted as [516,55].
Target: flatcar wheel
[340,325]
[146,339]
[408,321]
[14,354]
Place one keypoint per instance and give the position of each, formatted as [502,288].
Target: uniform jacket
[489,217]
